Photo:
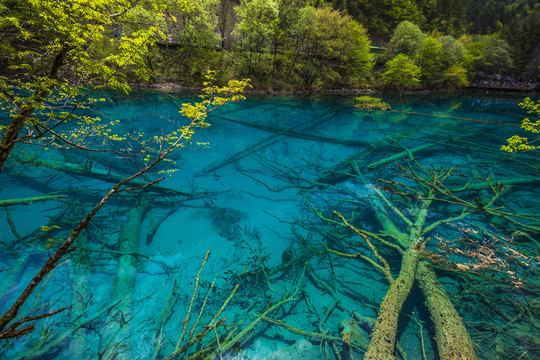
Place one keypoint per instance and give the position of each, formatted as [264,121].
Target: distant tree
[428,8]
[340,5]
[521,29]
[485,16]
[453,51]
[224,11]
[454,55]
[302,31]
[254,33]
[496,55]
[430,60]
[336,52]
[254,28]
[473,52]
[380,17]
[454,77]
[317,3]
[195,31]
[284,40]
[451,17]
[401,73]
[355,54]
[407,38]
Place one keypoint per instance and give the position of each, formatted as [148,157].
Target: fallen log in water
[479,185]
[296,134]
[454,117]
[346,168]
[81,273]
[116,334]
[452,338]
[250,149]
[56,343]
[29,200]
[101,174]
[76,333]
[11,279]
[406,153]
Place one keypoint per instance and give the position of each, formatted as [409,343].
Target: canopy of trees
[279,44]
[56,55]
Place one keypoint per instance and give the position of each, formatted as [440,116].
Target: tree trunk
[97,173]
[117,333]
[12,279]
[17,124]
[384,334]
[383,337]
[81,277]
[27,109]
[453,341]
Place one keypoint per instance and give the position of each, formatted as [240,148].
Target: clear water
[267,216]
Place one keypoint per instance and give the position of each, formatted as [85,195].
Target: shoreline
[174,87]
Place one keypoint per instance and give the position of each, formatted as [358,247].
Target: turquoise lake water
[259,188]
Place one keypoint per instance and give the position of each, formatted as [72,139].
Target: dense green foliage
[48,49]
[369,102]
[52,51]
[401,73]
[279,44]
[517,20]
[407,38]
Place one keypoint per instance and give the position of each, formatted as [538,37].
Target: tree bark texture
[383,338]
[453,341]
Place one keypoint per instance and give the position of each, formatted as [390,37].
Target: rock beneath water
[223,218]
[301,349]
[351,333]
[287,255]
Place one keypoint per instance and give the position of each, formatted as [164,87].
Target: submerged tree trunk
[81,276]
[384,334]
[98,173]
[116,336]
[12,279]
[453,341]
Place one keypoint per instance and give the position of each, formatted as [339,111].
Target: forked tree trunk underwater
[452,338]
